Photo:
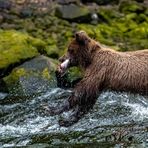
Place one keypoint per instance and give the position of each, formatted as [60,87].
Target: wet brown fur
[104,68]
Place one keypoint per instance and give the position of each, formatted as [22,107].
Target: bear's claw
[67,123]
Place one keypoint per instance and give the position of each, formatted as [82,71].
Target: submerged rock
[34,76]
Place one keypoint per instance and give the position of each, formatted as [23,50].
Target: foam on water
[3,95]
[139,112]
[136,103]
[31,126]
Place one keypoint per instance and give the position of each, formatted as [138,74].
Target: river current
[117,120]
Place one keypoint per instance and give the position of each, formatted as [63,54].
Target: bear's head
[80,52]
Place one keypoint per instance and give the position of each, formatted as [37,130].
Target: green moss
[138,36]
[131,16]
[131,6]
[46,74]
[107,14]
[55,32]
[118,27]
[15,75]
[74,73]
[127,33]
[141,31]
[143,18]
[29,25]
[16,46]
[52,51]
[101,33]
[38,69]
[37,43]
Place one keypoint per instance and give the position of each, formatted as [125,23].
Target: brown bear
[103,68]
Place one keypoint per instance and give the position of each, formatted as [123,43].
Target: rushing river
[117,120]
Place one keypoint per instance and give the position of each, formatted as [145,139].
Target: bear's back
[130,72]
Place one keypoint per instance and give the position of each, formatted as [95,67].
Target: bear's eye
[70,50]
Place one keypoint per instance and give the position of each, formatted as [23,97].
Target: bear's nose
[62,59]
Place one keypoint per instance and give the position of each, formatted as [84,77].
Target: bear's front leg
[84,98]
[65,106]
[58,109]
[85,95]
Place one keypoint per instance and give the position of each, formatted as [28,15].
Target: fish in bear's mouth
[64,65]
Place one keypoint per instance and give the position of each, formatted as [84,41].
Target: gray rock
[26,12]
[73,12]
[1,18]
[32,77]
[102,2]
[5,4]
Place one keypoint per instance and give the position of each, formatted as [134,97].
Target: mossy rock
[107,14]
[52,51]
[131,6]
[34,76]
[101,33]
[54,31]
[17,46]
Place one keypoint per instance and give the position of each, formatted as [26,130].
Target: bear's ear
[82,37]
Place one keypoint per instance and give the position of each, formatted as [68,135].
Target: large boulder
[73,12]
[32,77]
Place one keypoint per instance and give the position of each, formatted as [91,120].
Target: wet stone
[34,76]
